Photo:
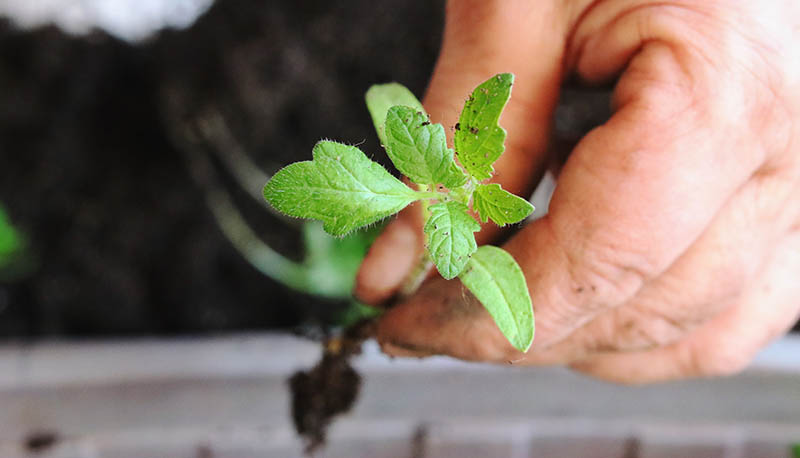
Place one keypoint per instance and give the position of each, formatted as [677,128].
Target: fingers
[476,46]
[708,277]
[727,344]
[629,224]
[704,280]
[634,195]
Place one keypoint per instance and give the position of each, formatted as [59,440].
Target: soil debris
[330,388]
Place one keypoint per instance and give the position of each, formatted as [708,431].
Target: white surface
[127,19]
[69,363]
[170,398]
[542,195]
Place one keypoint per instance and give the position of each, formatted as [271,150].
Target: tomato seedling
[346,190]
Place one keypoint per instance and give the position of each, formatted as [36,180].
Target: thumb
[481,38]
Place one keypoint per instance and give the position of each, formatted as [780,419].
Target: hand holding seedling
[672,245]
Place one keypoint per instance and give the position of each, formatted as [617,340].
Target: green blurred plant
[795,449]
[329,264]
[328,268]
[15,259]
[10,240]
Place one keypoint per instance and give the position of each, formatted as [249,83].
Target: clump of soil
[330,388]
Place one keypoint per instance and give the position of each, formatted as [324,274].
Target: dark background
[92,171]
[97,152]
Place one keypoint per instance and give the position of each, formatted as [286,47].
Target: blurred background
[147,291]
[135,139]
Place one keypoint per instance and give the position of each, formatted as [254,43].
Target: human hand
[672,245]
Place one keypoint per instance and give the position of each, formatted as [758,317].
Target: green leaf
[495,278]
[10,240]
[16,259]
[381,97]
[340,187]
[449,235]
[796,450]
[479,139]
[492,201]
[419,149]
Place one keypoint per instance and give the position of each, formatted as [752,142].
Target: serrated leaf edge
[430,228]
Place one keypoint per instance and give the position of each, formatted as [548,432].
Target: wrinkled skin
[672,246]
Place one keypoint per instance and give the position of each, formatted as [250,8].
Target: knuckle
[717,65]
[610,274]
[656,331]
[603,336]
[675,307]
[596,275]
[631,329]
[658,85]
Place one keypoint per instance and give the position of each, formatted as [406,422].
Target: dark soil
[92,170]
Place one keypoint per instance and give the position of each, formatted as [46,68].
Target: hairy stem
[420,271]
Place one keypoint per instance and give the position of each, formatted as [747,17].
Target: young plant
[346,190]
